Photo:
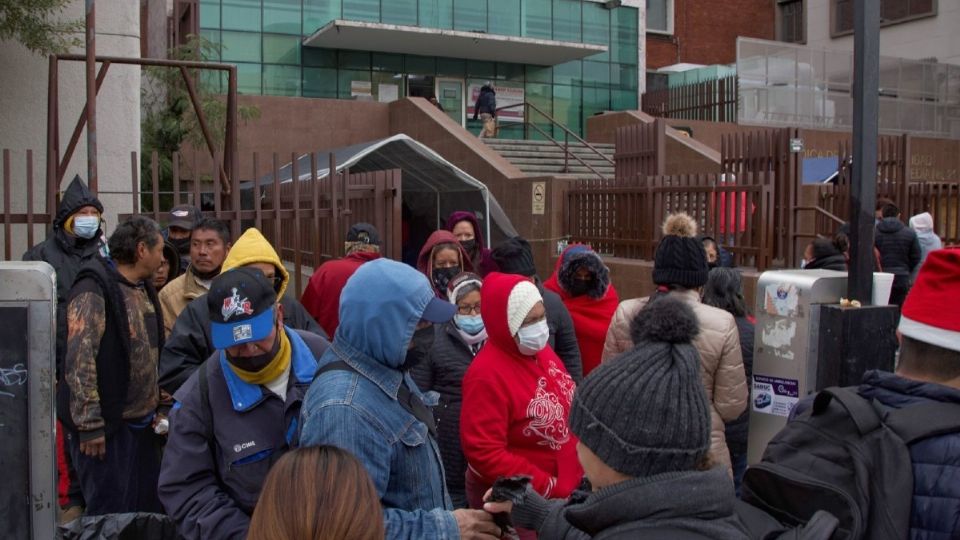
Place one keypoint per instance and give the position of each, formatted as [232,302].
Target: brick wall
[705,32]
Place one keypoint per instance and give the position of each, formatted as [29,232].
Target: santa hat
[926,314]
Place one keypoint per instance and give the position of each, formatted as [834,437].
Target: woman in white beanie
[516,398]
[922,224]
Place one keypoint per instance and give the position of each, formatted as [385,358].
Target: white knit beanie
[522,299]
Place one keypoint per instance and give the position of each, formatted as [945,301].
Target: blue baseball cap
[438,311]
[241,305]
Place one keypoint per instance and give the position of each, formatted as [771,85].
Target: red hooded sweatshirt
[591,317]
[425,259]
[515,407]
[321,298]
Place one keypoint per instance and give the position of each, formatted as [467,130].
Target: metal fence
[306,221]
[623,218]
[714,101]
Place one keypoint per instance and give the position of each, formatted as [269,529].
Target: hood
[253,247]
[575,257]
[922,222]
[463,215]
[170,252]
[74,198]
[823,248]
[380,307]
[487,90]
[494,296]
[425,261]
[890,225]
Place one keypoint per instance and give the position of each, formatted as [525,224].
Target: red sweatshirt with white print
[516,407]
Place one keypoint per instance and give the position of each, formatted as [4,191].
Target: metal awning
[366,36]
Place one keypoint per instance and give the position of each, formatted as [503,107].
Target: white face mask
[532,339]
[86,226]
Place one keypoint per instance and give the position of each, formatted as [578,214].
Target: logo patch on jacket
[234,305]
[237,448]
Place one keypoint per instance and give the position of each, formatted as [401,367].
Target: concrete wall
[23,113]
[932,37]
[705,32]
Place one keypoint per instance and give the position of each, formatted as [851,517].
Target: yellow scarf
[272,370]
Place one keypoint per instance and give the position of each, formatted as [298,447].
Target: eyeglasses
[467,310]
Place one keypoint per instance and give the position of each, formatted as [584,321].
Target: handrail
[566,136]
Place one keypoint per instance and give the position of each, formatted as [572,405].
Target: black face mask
[579,287]
[469,245]
[420,343]
[256,363]
[442,277]
[182,245]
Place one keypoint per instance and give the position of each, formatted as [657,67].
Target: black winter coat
[189,343]
[832,262]
[67,253]
[486,102]
[563,339]
[442,371]
[899,249]
[737,431]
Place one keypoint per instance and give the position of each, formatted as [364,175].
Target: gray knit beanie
[645,412]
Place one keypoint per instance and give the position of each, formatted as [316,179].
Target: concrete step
[572,169]
[525,142]
[543,158]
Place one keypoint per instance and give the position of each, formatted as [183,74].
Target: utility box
[28,500]
[786,354]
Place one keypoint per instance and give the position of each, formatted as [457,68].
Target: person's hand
[476,525]
[95,448]
[496,507]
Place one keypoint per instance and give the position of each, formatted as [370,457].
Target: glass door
[450,96]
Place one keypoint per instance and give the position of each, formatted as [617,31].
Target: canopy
[432,187]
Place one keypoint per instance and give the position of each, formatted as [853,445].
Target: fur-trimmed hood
[580,256]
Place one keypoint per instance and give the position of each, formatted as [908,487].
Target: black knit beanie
[514,256]
[645,412]
[680,258]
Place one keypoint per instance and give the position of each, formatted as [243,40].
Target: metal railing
[565,146]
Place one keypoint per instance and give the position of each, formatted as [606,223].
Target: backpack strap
[861,411]
[408,400]
[923,420]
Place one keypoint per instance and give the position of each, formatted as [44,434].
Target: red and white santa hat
[930,312]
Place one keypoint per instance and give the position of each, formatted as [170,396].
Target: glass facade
[263,38]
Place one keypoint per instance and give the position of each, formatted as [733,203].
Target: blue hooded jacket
[358,411]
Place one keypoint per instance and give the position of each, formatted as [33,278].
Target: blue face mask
[86,226]
[471,324]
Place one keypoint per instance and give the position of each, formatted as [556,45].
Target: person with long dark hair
[724,290]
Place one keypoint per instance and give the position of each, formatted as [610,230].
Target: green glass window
[350,82]
[623,45]
[317,13]
[361,10]
[319,57]
[319,82]
[281,49]
[470,15]
[510,72]
[282,16]
[566,20]
[240,47]
[596,73]
[622,100]
[536,19]
[281,80]
[568,72]
[540,96]
[213,81]
[481,70]
[503,17]
[212,37]
[623,76]
[400,12]
[436,13]
[421,65]
[382,81]
[210,14]
[354,60]
[241,15]
[566,108]
[595,100]
[451,67]
[596,27]
[388,62]
[542,74]
[248,79]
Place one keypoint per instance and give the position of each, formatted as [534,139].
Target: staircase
[543,158]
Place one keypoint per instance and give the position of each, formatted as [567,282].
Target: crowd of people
[394,401]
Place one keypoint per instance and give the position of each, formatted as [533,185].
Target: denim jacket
[359,412]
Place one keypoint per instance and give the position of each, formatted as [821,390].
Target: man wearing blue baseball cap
[225,428]
[364,401]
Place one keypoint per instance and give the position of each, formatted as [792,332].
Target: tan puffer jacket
[720,359]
